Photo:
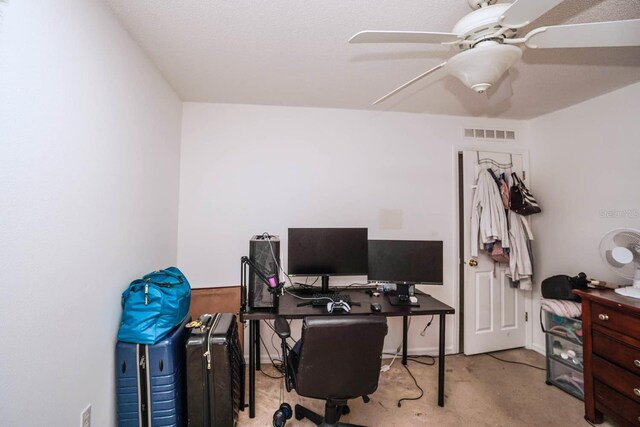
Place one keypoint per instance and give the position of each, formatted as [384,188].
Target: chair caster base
[331,418]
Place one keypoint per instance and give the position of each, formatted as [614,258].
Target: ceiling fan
[488,37]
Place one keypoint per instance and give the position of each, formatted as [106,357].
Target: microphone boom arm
[271,280]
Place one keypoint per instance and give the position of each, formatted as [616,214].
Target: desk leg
[441,346]
[252,368]
[257,336]
[405,330]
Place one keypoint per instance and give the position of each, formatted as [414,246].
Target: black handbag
[561,286]
[521,200]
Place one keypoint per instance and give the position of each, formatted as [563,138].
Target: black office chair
[337,359]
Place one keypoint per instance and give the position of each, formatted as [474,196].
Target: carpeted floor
[479,391]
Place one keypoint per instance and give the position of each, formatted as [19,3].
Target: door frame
[458,238]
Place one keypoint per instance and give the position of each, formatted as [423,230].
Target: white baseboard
[539,349]
[389,352]
[431,351]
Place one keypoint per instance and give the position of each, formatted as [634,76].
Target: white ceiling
[293,52]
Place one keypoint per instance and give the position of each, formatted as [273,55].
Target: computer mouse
[376,307]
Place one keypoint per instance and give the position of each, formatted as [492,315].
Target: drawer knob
[636,391]
[603,316]
[637,363]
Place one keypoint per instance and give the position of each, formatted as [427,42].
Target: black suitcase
[215,371]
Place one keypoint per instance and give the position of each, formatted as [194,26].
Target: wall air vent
[489,134]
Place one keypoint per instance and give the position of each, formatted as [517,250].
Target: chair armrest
[282,328]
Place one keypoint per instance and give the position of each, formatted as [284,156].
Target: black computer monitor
[405,263]
[327,252]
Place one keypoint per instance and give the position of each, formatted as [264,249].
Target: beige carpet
[479,391]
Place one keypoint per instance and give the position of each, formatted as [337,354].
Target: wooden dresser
[611,343]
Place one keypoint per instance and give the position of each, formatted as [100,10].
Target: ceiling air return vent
[489,134]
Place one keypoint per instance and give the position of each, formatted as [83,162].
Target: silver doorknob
[473,263]
[637,363]
[603,317]
[636,391]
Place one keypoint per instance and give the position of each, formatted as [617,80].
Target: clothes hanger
[503,166]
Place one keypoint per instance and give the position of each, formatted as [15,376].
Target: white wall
[250,169]
[89,140]
[585,161]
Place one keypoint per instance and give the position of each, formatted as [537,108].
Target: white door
[494,312]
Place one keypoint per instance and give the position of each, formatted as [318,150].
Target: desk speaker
[260,253]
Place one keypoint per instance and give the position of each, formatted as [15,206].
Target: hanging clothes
[520,262]
[488,217]
[503,187]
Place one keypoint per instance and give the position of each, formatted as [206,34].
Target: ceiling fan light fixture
[481,67]
[487,39]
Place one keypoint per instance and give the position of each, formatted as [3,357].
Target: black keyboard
[322,299]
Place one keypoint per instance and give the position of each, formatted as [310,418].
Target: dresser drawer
[624,355]
[617,378]
[609,400]
[614,319]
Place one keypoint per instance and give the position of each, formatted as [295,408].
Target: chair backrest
[340,356]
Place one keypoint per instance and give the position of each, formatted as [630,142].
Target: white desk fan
[620,250]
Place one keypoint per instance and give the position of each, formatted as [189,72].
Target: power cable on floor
[278,367]
[416,383]
[431,356]
[516,363]
[415,359]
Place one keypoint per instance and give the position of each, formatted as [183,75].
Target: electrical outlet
[85,417]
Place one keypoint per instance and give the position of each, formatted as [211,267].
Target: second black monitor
[405,261]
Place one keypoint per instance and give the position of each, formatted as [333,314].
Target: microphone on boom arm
[269,278]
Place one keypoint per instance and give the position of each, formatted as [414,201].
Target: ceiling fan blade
[501,91]
[410,82]
[597,34]
[402,37]
[522,12]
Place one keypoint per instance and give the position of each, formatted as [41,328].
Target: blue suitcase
[150,381]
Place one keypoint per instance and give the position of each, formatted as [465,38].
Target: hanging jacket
[488,218]
[520,265]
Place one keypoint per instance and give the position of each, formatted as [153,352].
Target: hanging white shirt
[488,218]
[520,267]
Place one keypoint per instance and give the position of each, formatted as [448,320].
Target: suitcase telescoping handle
[216,319]
[201,323]
[207,319]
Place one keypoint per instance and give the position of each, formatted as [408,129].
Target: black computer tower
[262,250]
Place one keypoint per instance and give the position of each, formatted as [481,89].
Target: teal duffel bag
[153,306]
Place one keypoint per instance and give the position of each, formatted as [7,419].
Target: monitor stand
[402,296]
[325,284]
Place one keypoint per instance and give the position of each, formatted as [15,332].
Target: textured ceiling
[292,52]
